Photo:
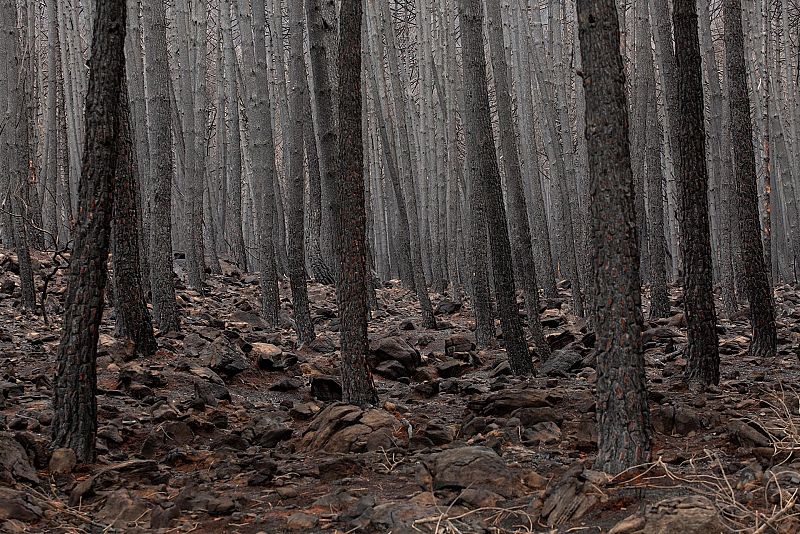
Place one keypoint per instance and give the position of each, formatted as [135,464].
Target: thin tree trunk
[762,310]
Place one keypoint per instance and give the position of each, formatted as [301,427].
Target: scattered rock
[691,514]
[15,466]
[19,505]
[466,467]
[63,461]
[326,388]
[302,521]
[225,358]
[345,428]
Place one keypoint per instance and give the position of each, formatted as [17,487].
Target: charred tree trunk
[756,277]
[622,412]
[75,385]
[351,291]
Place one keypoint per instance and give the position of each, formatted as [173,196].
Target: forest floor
[230,428]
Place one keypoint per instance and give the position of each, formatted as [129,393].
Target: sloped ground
[230,428]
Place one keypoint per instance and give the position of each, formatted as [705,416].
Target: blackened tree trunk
[756,278]
[133,319]
[351,291]
[622,412]
[520,228]
[703,348]
[159,113]
[296,184]
[481,143]
[74,402]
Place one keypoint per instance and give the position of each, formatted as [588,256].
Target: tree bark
[159,114]
[133,319]
[622,412]
[296,184]
[351,290]
[480,141]
[762,308]
[75,383]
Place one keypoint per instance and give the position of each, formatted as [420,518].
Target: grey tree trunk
[518,211]
[295,183]
[159,113]
[487,182]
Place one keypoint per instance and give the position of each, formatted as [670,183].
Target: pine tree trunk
[75,383]
[518,211]
[351,290]
[487,181]
[262,148]
[133,319]
[159,113]
[295,181]
[234,153]
[762,310]
[622,412]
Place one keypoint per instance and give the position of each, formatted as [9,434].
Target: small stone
[302,521]
[63,461]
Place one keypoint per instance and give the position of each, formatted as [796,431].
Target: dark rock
[286,384]
[266,432]
[450,368]
[531,416]
[10,390]
[322,343]
[466,467]
[426,390]
[447,307]
[391,369]
[15,466]
[505,402]
[326,388]
[19,505]
[134,373]
[561,362]
[394,348]
[746,435]
[225,358]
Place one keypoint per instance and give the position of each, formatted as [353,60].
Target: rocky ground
[231,428]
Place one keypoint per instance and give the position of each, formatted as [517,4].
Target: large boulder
[397,349]
[346,428]
[469,467]
[224,358]
[506,401]
[15,466]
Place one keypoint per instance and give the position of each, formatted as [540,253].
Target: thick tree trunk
[622,412]
[351,290]
[703,348]
[75,384]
